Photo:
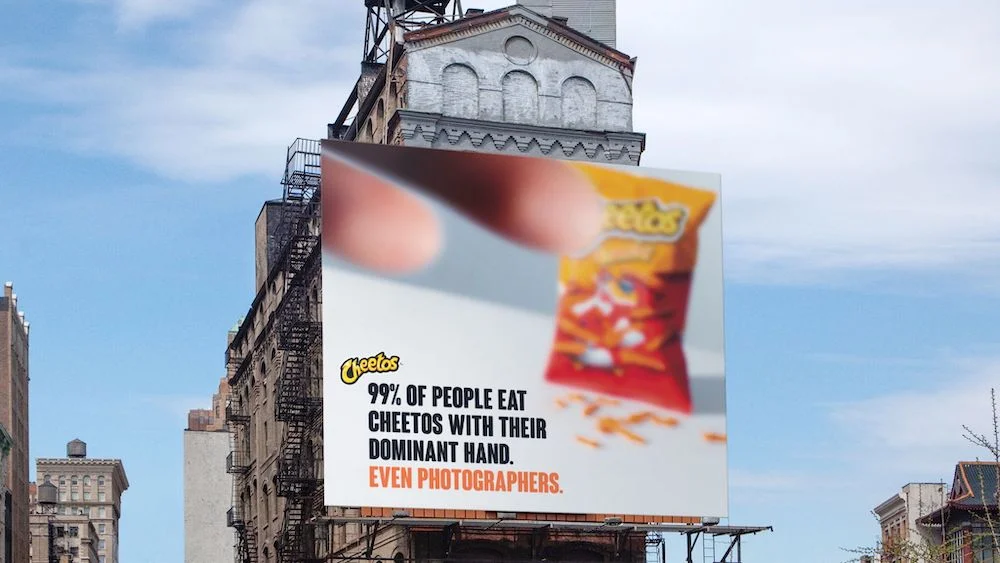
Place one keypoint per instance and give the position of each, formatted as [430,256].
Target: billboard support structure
[655,533]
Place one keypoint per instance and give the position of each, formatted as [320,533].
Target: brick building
[14,417]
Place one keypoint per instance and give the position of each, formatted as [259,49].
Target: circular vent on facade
[519,50]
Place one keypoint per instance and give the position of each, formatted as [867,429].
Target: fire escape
[299,402]
[238,464]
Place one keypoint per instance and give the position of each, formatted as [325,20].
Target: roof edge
[518,10]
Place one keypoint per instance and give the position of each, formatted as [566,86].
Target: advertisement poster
[503,378]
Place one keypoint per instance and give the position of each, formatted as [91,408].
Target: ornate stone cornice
[432,128]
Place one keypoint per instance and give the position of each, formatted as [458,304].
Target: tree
[923,552]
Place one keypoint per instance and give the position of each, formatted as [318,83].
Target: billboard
[507,333]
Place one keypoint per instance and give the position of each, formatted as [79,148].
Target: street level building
[207,484]
[86,490]
[14,417]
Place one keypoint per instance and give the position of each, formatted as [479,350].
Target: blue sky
[857,145]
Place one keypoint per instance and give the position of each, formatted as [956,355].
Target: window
[62,480]
[48,478]
[100,481]
[101,528]
[86,495]
[100,545]
[75,481]
[74,496]
[86,480]
[100,512]
[103,560]
[62,496]
[74,531]
[100,496]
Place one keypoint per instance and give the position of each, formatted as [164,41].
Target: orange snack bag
[623,302]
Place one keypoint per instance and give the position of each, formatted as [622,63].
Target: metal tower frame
[408,15]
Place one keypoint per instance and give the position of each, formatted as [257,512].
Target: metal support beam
[449,538]
[370,546]
[538,537]
[692,542]
[732,544]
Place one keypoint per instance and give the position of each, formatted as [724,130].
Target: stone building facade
[14,417]
[511,81]
[57,536]
[88,488]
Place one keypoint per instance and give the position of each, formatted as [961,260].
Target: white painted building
[207,496]
[898,514]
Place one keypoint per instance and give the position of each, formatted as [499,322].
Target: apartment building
[14,417]
[898,516]
[86,490]
[57,536]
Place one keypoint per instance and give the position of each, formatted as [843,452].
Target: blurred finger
[542,203]
[374,224]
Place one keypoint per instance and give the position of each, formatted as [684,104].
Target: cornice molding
[431,128]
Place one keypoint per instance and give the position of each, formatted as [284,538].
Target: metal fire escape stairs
[237,464]
[298,403]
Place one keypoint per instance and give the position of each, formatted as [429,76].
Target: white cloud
[264,74]
[849,135]
[852,137]
[135,15]
[917,434]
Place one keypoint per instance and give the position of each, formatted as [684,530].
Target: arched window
[460,92]
[579,103]
[520,97]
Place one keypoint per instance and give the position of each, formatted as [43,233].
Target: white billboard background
[482,316]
